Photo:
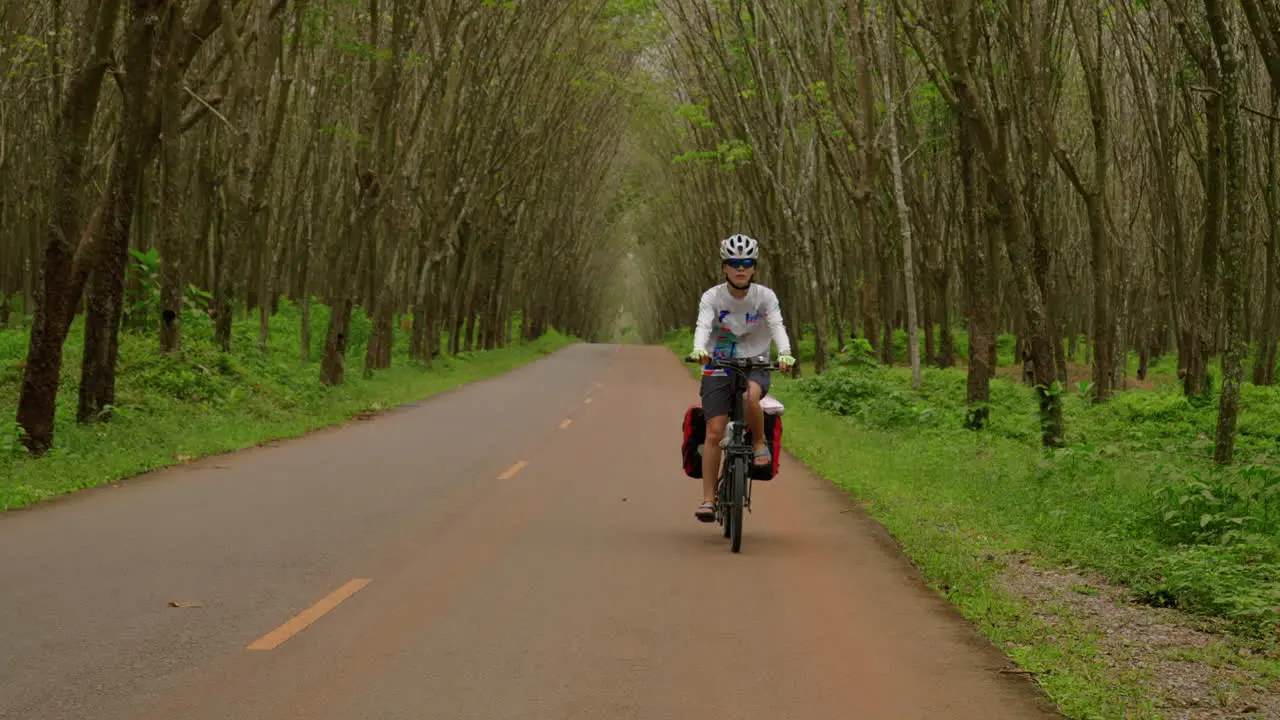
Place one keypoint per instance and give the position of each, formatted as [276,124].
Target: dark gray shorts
[717,389]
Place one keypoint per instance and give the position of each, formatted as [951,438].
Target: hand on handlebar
[697,355]
[786,362]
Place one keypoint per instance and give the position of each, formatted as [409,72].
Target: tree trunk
[871,288]
[840,343]
[170,243]
[1221,26]
[457,296]
[870,311]
[304,290]
[978,286]
[1264,367]
[927,322]
[333,365]
[386,320]
[908,255]
[886,339]
[946,339]
[378,354]
[433,327]
[417,341]
[1103,319]
[106,297]
[1201,319]
[1059,347]
[818,301]
[37,402]
[421,347]
[101,341]
[469,333]
[224,293]
[304,339]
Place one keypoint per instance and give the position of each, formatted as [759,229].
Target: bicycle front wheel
[737,498]
[723,498]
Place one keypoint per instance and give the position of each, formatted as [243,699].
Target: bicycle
[733,487]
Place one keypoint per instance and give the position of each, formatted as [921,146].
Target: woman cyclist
[736,319]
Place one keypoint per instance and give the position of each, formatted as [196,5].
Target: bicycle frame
[733,486]
[735,442]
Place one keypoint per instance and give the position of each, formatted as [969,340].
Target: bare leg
[711,456]
[755,421]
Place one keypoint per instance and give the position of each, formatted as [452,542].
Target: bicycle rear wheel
[737,498]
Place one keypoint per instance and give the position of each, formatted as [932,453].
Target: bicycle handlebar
[740,364]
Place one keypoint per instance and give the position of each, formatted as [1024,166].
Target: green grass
[1133,496]
[1162,369]
[203,402]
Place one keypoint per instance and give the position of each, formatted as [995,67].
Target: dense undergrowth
[202,401]
[1134,494]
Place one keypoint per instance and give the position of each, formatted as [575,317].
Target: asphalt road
[524,547]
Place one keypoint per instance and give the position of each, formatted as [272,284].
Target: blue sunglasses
[737,264]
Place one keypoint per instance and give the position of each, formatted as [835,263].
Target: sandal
[762,453]
[706,512]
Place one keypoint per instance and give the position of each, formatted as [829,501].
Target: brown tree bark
[977,265]
[135,143]
[1222,28]
[1197,332]
[908,254]
[171,244]
[1264,367]
[862,197]
[53,305]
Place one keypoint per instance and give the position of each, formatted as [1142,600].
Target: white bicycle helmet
[738,247]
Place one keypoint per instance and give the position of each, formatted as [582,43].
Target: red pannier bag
[695,434]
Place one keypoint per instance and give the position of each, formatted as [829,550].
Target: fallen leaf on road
[185,604]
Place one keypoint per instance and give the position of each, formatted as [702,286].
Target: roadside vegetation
[174,408]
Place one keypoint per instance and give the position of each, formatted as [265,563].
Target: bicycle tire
[737,497]
[723,490]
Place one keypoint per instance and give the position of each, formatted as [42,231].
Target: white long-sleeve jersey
[729,327]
